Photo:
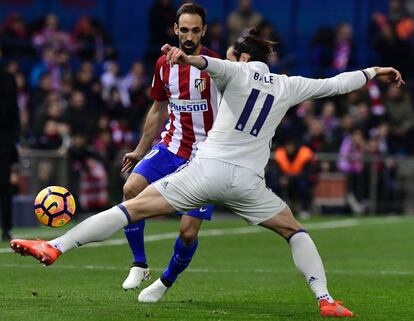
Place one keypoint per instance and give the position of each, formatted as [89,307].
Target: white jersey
[252,105]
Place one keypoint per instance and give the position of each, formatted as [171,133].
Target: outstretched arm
[304,88]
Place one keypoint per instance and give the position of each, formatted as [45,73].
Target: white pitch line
[210,270]
[246,230]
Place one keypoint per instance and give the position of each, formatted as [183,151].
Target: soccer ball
[54,206]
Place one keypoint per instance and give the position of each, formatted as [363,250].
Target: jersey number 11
[247,110]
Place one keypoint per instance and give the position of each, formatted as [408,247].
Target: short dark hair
[259,49]
[192,8]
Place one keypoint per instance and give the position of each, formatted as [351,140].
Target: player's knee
[284,223]
[188,234]
[129,191]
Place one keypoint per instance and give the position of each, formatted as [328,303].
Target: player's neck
[197,51]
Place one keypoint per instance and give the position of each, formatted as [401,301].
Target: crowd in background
[75,99]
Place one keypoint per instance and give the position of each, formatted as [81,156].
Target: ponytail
[259,49]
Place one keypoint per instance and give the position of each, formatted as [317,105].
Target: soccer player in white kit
[229,166]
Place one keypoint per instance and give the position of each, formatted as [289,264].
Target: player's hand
[174,55]
[388,75]
[129,161]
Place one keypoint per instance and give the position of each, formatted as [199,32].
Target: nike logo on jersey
[203,209]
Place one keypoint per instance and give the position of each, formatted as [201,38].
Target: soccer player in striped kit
[188,98]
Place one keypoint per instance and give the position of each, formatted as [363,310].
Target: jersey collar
[259,65]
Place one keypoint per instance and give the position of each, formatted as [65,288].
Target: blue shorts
[160,162]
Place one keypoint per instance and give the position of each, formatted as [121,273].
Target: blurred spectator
[86,83]
[9,136]
[389,46]
[278,62]
[50,131]
[93,189]
[161,21]
[329,121]
[121,134]
[239,21]
[90,39]
[385,169]
[63,62]
[38,96]
[214,38]
[134,81]
[109,79]
[49,136]
[23,101]
[401,117]
[133,90]
[344,50]
[361,114]
[78,116]
[397,11]
[346,124]
[88,176]
[102,138]
[47,65]
[351,162]
[377,107]
[321,51]
[52,36]
[295,166]
[114,107]
[15,36]
[12,67]
[316,136]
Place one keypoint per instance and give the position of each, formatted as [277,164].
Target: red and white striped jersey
[192,106]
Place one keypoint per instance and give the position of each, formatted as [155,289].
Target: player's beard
[189,47]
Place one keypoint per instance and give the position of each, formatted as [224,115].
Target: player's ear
[176,29]
[204,31]
[244,57]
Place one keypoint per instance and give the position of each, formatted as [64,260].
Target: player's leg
[98,227]
[158,163]
[304,252]
[185,190]
[307,260]
[259,205]
[134,233]
[184,249]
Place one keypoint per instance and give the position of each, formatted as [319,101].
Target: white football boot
[153,293]
[135,277]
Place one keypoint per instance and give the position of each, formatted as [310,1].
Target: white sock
[307,260]
[94,229]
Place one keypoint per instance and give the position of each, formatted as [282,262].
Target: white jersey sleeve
[301,88]
[222,71]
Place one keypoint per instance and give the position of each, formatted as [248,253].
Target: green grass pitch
[238,273]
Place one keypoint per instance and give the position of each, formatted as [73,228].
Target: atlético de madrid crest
[200,84]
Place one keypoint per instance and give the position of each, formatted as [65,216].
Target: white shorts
[206,181]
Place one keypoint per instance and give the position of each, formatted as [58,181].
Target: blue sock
[179,261]
[135,236]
